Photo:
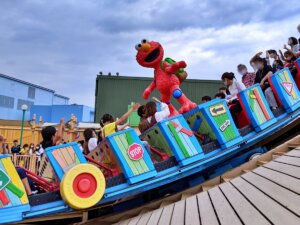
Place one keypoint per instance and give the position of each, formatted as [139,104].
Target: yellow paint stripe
[14,176]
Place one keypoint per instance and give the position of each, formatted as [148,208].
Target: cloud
[63,44]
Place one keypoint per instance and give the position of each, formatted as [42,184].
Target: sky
[64,44]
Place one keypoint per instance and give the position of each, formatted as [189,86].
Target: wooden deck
[269,194]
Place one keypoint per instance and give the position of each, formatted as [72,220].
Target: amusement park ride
[179,151]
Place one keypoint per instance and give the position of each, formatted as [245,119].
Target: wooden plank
[60,160]
[289,160]
[207,213]
[267,206]
[154,218]
[293,171]
[282,195]
[223,209]
[166,215]
[71,152]
[124,222]
[134,220]
[144,218]
[294,153]
[178,213]
[247,213]
[64,152]
[284,180]
[191,211]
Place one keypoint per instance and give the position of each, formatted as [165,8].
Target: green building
[115,93]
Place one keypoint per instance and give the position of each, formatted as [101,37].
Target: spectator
[81,144]
[16,147]
[24,150]
[247,77]
[51,137]
[143,124]
[39,151]
[289,59]
[220,96]
[2,151]
[108,123]
[153,116]
[263,73]
[277,65]
[293,43]
[205,99]
[90,140]
[234,87]
[31,149]
[273,55]
[224,90]
[258,55]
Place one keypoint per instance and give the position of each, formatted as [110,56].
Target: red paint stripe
[261,104]
[3,198]
[183,130]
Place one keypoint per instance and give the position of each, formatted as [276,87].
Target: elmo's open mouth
[152,55]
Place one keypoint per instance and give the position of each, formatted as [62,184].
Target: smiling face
[149,54]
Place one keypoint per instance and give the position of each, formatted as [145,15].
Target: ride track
[190,161]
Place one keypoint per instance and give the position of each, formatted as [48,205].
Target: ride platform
[266,191]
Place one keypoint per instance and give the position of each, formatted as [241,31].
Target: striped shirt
[248,79]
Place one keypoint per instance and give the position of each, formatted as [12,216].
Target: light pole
[24,109]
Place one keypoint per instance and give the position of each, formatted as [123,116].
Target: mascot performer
[168,75]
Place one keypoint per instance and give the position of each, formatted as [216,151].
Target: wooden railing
[29,162]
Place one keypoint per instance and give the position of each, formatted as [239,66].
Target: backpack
[181,74]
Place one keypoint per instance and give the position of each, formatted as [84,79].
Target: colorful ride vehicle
[196,146]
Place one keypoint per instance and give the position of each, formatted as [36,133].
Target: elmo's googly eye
[144,41]
[138,46]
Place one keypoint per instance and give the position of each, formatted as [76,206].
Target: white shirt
[161,115]
[295,49]
[235,88]
[92,144]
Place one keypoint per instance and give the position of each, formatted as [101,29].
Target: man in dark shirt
[16,148]
[264,71]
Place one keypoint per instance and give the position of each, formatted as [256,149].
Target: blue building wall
[14,93]
[53,113]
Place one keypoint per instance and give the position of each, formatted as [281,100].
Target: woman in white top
[153,115]
[90,140]
[234,88]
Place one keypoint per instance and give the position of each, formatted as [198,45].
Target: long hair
[88,134]
[48,133]
[228,75]
[106,118]
[150,109]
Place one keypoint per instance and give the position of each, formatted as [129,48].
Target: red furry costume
[150,54]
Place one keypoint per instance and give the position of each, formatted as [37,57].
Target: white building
[14,93]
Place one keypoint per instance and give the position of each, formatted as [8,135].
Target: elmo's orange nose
[146,47]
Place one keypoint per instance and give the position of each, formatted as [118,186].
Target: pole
[22,128]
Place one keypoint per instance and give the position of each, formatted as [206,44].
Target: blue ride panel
[64,157]
[217,115]
[181,140]
[284,85]
[131,155]
[256,107]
